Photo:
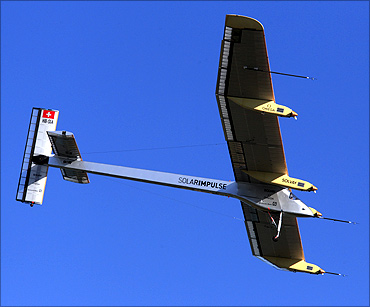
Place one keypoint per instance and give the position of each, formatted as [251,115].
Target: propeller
[338,274]
[336,220]
[278,73]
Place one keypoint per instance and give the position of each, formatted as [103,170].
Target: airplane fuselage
[266,197]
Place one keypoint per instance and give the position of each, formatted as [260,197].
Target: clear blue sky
[142,75]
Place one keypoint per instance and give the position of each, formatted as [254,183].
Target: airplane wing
[260,231]
[254,139]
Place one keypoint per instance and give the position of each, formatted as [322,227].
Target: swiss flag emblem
[48,114]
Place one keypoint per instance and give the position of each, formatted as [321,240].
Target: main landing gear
[277,226]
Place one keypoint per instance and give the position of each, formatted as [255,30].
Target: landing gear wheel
[278,227]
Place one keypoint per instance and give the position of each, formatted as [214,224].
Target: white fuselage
[260,196]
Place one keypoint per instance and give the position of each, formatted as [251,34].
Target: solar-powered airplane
[249,116]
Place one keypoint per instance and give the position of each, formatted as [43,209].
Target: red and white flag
[48,114]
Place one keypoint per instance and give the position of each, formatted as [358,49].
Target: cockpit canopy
[292,196]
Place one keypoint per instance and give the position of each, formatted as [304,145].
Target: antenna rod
[278,73]
[336,220]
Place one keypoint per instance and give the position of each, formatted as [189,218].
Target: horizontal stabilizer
[64,146]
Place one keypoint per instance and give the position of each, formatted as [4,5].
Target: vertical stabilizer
[32,180]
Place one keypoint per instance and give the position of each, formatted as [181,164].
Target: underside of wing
[251,126]
[289,244]
[253,138]
[287,252]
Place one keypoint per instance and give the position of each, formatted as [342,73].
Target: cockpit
[293,197]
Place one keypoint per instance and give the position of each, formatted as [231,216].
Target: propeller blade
[337,220]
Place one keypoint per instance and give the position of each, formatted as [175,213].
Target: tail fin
[32,180]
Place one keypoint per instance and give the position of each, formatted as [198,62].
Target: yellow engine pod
[295,265]
[282,180]
[267,106]
[315,212]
